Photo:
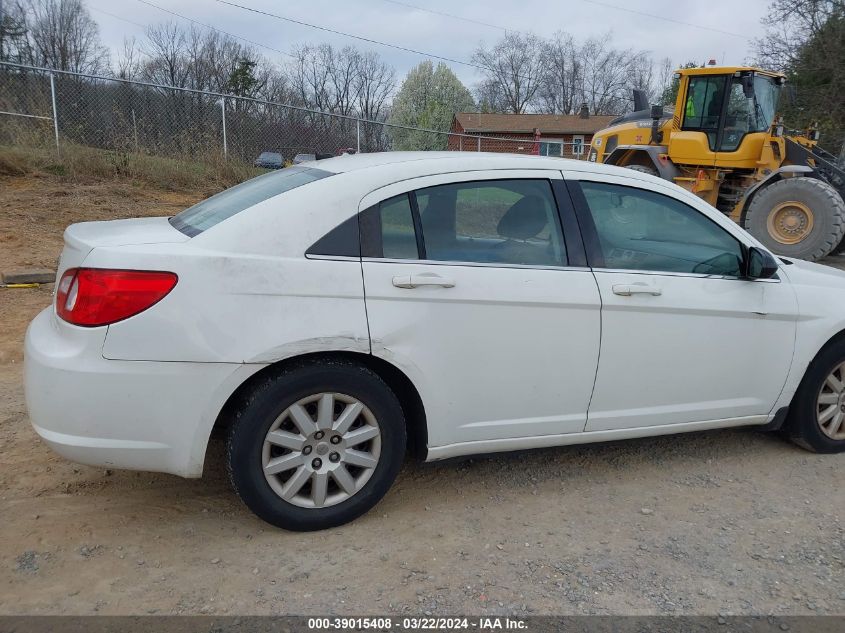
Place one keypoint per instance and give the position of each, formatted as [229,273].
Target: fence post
[479,143]
[135,130]
[358,135]
[55,112]
[225,140]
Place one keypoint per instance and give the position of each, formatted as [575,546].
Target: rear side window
[509,222]
[398,238]
[203,215]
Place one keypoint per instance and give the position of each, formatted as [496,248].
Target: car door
[475,291]
[685,338]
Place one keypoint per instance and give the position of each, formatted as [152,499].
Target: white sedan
[330,316]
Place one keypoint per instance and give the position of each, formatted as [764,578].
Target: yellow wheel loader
[724,142]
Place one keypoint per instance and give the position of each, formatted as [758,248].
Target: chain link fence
[40,107]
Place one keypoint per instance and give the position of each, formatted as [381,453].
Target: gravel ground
[725,522]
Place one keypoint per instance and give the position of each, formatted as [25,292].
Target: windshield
[203,215]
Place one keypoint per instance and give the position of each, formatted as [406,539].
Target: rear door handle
[626,290]
[422,279]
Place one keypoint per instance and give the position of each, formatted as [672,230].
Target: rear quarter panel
[246,291]
[240,309]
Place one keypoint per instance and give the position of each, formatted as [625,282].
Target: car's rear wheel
[817,414]
[316,445]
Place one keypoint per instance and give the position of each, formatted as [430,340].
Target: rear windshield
[203,215]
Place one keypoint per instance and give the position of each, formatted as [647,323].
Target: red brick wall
[521,143]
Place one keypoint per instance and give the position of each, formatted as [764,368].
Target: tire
[279,403]
[828,216]
[803,424]
[644,169]
[839,248]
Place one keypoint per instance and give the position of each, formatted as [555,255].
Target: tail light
[91,297]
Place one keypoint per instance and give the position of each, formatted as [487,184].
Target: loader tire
[839,249]
[644,169]
[800,217]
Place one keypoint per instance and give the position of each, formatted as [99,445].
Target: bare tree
[513,69]
[64,36]
[374,85]
[663,83]
[562,72]
[165,55]
[322,78]
[129,59]
[606,80]
[560,75]
[15,43]
[789,25]
[642,75]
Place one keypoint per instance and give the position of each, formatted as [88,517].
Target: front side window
[203,215]
[644,230]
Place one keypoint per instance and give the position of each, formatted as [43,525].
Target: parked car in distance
[307,158]
[269,160]
[329,319]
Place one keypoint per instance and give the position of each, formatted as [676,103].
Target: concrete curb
[28,276]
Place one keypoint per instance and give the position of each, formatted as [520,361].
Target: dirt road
[730,522]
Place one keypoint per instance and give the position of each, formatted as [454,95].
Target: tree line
[805,39]
[520,72]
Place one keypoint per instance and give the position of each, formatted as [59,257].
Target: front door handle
[626,290]
[422,279]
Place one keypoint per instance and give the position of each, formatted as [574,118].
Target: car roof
[413,164]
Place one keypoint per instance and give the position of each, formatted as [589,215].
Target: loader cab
[724,117]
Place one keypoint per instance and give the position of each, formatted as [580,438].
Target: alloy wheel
[830,404]
[321,450]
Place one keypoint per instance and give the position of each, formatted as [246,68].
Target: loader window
[748,114]
[703,107]
[645,230]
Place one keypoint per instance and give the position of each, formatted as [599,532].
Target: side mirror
[760,264]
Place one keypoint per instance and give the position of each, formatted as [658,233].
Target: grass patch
[79,164]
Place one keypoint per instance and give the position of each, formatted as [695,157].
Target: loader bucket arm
[822,162]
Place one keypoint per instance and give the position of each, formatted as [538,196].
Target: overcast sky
[731,24]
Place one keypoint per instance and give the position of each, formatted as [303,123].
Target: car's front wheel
[817,414]
[316,445]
